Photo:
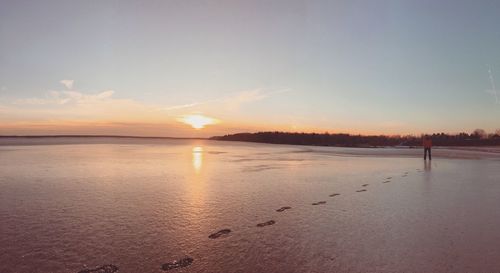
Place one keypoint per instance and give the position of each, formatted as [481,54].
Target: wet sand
[204,206]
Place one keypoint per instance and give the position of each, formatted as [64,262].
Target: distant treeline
[477,138]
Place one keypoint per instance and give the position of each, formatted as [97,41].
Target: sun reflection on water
[197,158]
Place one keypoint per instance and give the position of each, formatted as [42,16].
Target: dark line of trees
[477,138]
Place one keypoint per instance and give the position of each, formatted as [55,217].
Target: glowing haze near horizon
[202,68]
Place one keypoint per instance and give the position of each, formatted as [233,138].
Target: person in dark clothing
[427,143]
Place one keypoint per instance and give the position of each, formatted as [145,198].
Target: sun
[198,121]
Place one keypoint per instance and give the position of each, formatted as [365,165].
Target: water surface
[138,204]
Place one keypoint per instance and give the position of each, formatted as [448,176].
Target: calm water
[141,203]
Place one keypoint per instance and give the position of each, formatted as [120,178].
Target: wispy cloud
[66,97]
[234,101]
[244,97]
[78,105]
[102,105]
[81,110]
[493,91]
[67,83]
[182,106]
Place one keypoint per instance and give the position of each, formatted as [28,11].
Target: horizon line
[208,138]
[115,136]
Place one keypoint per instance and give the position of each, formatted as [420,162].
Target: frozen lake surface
[139,204]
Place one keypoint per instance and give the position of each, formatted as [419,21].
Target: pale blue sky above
[350,66]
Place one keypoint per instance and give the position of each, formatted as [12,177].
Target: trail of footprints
[186,261]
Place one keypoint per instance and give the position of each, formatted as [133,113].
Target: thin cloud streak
[493,90]
[182,106]
[67,83]
[234,101]
[66,97]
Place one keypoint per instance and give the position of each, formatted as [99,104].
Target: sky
[151,68]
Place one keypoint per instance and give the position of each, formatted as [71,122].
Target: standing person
[427,142]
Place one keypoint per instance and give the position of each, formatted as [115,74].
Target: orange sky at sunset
[119,68]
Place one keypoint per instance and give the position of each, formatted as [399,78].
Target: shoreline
[454,152]
[95,136]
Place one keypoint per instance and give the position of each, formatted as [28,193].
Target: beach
[143,205]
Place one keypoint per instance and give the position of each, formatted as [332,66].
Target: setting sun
[198,121]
